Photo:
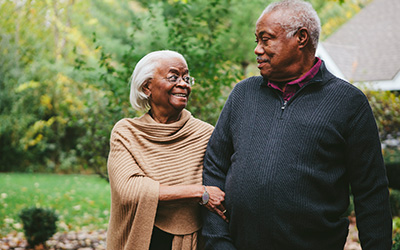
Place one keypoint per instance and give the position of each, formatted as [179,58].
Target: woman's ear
[146,88]
[303,37]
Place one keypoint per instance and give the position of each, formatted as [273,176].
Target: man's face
[276,53]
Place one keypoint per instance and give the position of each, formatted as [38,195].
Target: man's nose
[258,50]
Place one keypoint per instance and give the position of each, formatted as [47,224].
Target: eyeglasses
[174,79]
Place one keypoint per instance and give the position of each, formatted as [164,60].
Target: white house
[366,50]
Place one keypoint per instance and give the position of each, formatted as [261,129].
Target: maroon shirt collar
[289,89]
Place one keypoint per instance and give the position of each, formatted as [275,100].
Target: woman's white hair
[297,14]
[143,72]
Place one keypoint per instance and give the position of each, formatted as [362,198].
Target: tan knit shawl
[144,154]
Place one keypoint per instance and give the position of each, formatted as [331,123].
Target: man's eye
[263,39]
[186,79]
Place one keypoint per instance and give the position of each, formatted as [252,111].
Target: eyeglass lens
[187,79]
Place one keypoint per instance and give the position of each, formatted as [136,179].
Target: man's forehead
[268,24]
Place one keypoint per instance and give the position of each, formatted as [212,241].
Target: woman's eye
[173,78]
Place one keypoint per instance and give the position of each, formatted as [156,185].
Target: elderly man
[290,144]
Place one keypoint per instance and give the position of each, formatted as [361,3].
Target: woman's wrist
[200,191]
[204,197]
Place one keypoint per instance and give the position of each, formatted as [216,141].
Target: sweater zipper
[283,108]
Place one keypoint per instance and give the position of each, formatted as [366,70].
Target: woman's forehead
[172,64]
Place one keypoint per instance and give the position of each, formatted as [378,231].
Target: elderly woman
[156,161]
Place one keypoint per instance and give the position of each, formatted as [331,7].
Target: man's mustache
[260,59]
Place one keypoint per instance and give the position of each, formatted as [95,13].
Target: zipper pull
[284,105]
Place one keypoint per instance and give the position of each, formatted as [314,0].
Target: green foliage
[65,68]
[396,242]
[386,108]
[82,202]
[39,224]
[395,202]
[37,100]
[391,155]
[396,225]
[161,26]
[197,40]
[335,13]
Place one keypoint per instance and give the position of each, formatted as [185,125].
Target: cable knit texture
[143,155]
[286,170]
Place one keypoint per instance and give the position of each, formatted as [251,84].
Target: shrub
[396,225]
[396,242]
[39,224]
[395,202]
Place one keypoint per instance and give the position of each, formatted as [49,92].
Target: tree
[386,108]
[65,68]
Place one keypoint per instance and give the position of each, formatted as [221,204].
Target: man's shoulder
[348,88]
[331,81]
[253,82]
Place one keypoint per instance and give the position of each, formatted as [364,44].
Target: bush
[395,202]
[396,242]
[396,225]
[39,224]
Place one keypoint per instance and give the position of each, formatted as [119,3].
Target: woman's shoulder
[123,124]
[203,124]
[199,125]
[200,129]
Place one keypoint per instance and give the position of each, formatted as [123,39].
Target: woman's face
[168,92]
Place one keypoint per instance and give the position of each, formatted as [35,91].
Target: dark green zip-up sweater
[286,170]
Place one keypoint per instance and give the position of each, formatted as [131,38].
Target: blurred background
[65,67]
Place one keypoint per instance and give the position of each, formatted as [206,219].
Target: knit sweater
[286,169]
[143,155]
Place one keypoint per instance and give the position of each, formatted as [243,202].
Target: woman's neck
[164,118]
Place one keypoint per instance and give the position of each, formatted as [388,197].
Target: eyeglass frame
[190,80]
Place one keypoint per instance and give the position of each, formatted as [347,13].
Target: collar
[303,80]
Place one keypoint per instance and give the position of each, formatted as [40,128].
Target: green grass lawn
[81,201]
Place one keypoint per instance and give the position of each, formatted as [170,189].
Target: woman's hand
[215,202]
[178,193]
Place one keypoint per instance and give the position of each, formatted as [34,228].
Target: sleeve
[134,196]
[216,164]
[368,180]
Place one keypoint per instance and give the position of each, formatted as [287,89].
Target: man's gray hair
[143,72]
[297,14]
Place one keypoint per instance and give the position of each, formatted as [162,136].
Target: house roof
[367,47]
